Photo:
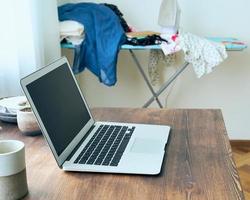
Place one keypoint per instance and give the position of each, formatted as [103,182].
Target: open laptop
[78,142]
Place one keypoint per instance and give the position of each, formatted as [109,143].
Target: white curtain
[29,35]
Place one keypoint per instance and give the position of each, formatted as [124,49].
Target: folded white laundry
[203,54]
[72,31]
[71,28]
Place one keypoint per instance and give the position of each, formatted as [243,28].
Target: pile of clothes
[104,35]
[98,31]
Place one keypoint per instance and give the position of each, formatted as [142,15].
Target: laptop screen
[60,106]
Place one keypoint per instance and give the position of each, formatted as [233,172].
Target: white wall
[226,88]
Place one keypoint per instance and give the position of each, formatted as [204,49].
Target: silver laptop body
[72,133]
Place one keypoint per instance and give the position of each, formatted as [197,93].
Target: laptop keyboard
[106,147]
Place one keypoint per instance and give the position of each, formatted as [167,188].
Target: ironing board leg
[155,97]
[167,83]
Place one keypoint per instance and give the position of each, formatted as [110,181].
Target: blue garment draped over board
[104,36]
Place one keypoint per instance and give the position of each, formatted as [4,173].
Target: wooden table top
[198,162]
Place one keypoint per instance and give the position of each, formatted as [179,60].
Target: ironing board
[231,44]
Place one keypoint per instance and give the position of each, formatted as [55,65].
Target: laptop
[77,141]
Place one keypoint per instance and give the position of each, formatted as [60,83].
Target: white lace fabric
[203,54]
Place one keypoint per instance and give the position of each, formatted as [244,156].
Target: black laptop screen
[60,106]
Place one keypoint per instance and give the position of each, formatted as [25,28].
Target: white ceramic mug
[13,181]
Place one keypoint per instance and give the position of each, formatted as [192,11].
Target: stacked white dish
[10,106]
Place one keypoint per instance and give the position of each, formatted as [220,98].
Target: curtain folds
[29,36]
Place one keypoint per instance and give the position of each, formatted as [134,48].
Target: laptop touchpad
[148,146]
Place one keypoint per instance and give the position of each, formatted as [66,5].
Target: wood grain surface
[198,163]
[241,153]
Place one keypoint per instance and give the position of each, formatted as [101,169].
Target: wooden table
[198,162]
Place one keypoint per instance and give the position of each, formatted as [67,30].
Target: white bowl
[27,123]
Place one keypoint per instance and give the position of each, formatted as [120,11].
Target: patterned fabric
[201,53]
[155,57]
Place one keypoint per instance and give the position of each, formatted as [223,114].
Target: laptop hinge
[80,143]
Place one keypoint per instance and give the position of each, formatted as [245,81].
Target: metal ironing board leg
[155,97]
[163,87]
[166,84]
